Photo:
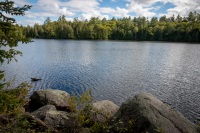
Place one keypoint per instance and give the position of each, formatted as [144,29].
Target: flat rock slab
[150,114]
[57,98]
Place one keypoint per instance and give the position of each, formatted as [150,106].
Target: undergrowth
[95,120]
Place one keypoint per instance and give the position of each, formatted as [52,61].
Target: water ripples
[115,70]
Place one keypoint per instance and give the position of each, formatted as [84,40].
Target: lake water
[115,70]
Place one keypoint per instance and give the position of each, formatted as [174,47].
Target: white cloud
[147,7]
[141,8]
[88,16]
[108,10]
[121,12]
[82,5]
[31,22]
[54,7]
[85,9]
[183,7]
[118,12]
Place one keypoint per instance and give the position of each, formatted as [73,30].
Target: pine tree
[9,33]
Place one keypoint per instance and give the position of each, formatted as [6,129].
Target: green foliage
[87,115]
[115,127]
[83,107]
[72,103]
[2,83]
[10,34]
[159,131]
[165,29]
[19,123]
[13,100]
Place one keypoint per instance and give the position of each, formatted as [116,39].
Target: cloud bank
[85,9]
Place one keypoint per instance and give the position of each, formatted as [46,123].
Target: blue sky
[85,9]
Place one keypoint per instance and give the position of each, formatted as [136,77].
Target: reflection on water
[115,70]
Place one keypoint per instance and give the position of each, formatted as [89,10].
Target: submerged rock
[57,98]
[150,114]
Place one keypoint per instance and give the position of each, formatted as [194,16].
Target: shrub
[82,105]
[13,100]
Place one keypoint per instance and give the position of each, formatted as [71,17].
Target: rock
[57,98]
[84,130]
[56,119]
[61,119]
[150,114]
[20,122]
[38,124]
[104,110]
[106,107]
[41,112]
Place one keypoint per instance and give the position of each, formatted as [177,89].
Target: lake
[115,70]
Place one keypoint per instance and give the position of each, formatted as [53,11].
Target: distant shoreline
[119,40]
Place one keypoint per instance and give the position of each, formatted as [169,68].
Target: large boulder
[57,98]
[150,114]
[42,112]
[103,110]
[106,107]
[57,119]
[38,124]
[61,120]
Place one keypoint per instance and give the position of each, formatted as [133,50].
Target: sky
[85,9]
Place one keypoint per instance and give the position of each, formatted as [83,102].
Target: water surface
[115,70]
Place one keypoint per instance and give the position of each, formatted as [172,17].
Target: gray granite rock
[61,119]
[42,112]
[57,98]
[103,110]
[150,114]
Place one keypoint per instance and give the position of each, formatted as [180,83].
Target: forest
[177,29]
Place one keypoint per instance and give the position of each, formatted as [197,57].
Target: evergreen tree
[9,35]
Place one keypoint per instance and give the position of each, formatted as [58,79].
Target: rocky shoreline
[142,113]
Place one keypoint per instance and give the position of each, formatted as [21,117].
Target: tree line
[186,29]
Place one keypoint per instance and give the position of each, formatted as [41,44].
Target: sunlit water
[115,70]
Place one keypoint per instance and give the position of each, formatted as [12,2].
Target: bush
[82,105]
[13,100]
